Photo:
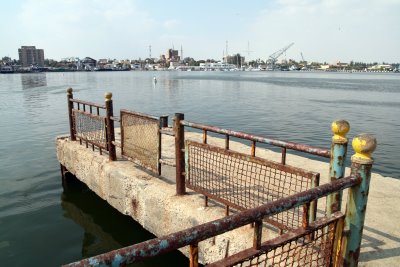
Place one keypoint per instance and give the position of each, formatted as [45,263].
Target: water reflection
[33,80]
[104,227]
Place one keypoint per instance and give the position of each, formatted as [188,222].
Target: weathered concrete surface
[151,200]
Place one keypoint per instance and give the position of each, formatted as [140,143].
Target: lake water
[41,225]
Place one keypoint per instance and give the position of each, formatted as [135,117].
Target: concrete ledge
[149,200]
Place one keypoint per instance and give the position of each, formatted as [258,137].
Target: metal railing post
[163,124]
[337,162]
[110,126]
[361,164]
[179,154]
[70,115]
[163,121]
[194,255]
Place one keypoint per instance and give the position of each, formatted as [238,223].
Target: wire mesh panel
[140,139]
[313,247]
[242,181]
[90,128]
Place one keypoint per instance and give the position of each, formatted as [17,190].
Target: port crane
[304,62]
[272,59]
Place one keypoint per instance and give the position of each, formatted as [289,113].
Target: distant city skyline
[324,30]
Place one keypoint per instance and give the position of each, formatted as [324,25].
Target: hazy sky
[325,30]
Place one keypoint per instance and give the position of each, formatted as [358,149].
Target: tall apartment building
[29,55]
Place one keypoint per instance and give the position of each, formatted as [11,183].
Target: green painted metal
[336,171]
[355,213]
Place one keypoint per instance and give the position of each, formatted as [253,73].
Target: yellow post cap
[363,145]
[339,129]
[108,96]
[69,91]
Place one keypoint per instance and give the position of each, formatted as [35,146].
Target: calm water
[41,225]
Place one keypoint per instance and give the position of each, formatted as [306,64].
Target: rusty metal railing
[194,235]
[179,129]
[92,123]
[141,139]
[242,182]
[295,248]
[257,139]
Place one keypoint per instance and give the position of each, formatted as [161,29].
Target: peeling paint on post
[336,166]
[361,165]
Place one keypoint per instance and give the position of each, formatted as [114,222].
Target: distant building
[89,63]
[29,55]
[237,60]
[172,55]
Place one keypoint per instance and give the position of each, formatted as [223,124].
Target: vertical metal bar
[204,136]
[336,256]
[361,164]
[306,219]
[306,212]
[179,154]
[122,126]
[163,121]
[194,255]
[337,162]
[283,160]
[226,210]
[205,201]
[227,142]
[70,115]
[257,234]
[313,204]
[98,110]
[84,107]
[110,126]
[91,109]
[160,125]
[253,149]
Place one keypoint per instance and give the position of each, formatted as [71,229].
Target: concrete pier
[152,200]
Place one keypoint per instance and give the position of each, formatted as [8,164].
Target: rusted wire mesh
[90,128]
[244,182]
[140,139]
[313,248]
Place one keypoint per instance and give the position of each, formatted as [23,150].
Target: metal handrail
[193,235]
[289,145]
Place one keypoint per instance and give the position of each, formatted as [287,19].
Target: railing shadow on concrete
[375,245]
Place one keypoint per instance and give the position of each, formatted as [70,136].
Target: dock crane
[272,59]
[304,62]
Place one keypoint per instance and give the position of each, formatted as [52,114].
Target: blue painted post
[361,164]
[337,167]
